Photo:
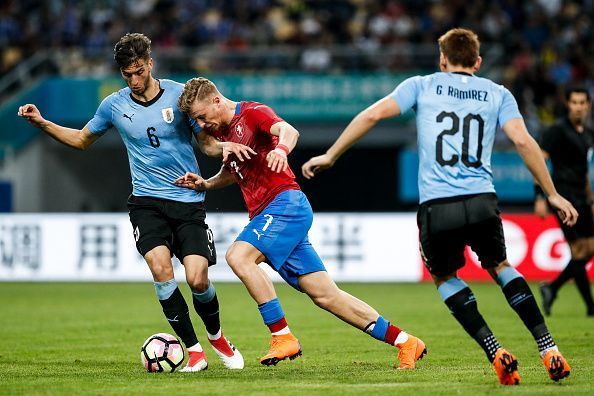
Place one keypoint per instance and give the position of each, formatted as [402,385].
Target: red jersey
[259,184]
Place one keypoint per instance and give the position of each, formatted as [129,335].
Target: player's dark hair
[131,48]
[460,46]
[578,90]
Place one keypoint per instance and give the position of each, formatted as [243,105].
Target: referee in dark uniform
[568,144]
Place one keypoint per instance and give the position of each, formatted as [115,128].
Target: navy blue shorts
[280,233]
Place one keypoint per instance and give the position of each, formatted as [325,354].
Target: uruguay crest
[167,115]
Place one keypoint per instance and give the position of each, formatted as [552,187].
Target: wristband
[538,193]
[284,148]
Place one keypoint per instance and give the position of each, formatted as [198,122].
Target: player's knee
[198,283]
[161,271]
[232,257]
[590,247]
[236,261]
[494,271]
[580,250]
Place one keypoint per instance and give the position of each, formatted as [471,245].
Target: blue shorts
[279,232]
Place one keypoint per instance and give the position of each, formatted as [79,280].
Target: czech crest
[167,115]
[239,131]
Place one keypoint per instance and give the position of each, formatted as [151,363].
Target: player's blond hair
[460,46]
[196,89]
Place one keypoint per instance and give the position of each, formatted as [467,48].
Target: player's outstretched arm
[196,182]
[357,128]
[214,148]
[76,138]
[532,156]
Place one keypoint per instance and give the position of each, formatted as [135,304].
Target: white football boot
[230,356]
[196,362]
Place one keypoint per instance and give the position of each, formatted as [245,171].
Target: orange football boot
[506,367]
[281,347]
[556,365]
[410,351]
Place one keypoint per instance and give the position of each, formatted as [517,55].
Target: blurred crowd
[547,44]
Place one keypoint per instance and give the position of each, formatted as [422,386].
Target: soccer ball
[161,352]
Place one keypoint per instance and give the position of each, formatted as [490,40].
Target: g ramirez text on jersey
[474,94]
[457,117]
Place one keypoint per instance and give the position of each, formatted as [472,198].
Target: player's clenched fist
[32,114]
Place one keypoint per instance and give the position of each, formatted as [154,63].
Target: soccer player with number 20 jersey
[457,116]
[280,217]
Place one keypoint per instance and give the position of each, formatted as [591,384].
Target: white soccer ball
[161,352]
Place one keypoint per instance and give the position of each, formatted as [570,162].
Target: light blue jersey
[457,117]
[158,138]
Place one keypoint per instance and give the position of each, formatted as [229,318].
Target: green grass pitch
[85,339]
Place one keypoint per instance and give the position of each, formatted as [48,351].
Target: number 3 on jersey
[465,139]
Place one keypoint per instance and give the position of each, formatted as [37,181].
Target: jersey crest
[239,131]
[167,115]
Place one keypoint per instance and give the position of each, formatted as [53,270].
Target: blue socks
[271,311]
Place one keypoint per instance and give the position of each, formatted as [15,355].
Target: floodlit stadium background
[317,63]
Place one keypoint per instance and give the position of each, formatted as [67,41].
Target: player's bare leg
[174,306]
[521,299]
[206,304]
[243,258]
[320,287]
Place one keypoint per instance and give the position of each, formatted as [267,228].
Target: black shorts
[583,228]
[447,226]
[178,225]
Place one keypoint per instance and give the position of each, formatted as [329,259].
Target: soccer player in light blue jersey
[166,220]
[457,116]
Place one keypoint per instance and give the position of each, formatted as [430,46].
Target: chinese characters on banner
[354,247]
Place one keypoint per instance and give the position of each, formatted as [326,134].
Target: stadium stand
[536,48]
[546,44]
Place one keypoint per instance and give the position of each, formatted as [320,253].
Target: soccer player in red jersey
[280,217]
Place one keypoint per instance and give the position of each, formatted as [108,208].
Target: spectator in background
[547,39]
